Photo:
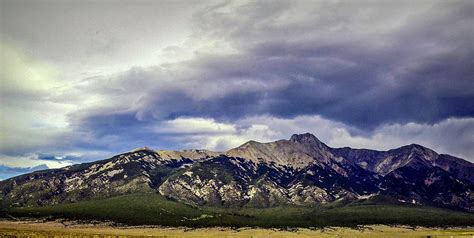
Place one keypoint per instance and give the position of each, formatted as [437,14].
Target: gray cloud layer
[366,65]
[377,73]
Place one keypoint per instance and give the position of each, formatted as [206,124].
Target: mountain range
[301,171]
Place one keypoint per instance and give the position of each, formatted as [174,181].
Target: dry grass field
[34,229]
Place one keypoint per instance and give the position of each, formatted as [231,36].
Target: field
[54,229]
[152,209]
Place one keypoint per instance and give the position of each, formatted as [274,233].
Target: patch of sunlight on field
[57,230]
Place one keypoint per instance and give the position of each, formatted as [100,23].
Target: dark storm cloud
[363,65]
[421,71]
[117,132]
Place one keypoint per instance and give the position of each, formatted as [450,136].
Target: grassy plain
[34,229]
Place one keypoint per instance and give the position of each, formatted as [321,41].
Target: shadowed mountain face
[299,171]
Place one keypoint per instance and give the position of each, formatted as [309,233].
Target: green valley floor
[153,209]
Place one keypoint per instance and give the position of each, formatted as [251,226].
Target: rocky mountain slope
[299,171]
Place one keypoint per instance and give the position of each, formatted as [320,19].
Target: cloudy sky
[84,80]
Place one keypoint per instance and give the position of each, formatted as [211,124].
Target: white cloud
[208,134]
[29,117]
[195,125]
[452,136]
[96,38]
[32,160]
